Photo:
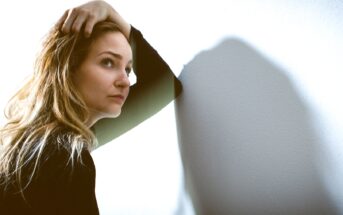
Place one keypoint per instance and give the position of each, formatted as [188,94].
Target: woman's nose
[122,80]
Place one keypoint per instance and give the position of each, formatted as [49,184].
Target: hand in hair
[88,14]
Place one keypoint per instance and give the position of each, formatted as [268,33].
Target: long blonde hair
[48,108]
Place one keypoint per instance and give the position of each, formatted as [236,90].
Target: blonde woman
[56,118]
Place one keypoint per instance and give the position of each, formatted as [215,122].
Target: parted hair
[48,108]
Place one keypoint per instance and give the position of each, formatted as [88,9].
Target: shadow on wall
[246,137]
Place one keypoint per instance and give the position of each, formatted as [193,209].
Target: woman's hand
[88,15]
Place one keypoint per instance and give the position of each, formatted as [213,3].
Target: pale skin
[102,78]
[88,15]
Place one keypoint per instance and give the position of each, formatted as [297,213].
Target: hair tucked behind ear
[48,108]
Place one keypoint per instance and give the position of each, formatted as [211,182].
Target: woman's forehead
[113,42]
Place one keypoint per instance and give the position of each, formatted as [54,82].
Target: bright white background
[140,172]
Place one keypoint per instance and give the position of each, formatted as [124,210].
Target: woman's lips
[118,98]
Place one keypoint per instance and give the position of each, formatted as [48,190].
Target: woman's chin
[97,115]
[113,114]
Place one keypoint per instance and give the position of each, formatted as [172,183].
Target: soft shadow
[246,138]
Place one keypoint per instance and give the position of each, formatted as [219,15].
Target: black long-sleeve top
[60,188]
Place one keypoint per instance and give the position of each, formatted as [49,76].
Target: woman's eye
[107,62]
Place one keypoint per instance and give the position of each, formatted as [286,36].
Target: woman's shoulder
[59,155]
[59,179]
[63,150]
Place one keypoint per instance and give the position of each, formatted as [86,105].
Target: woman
[81,77]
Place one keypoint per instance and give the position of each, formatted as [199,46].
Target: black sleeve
[77,196]
[156,86]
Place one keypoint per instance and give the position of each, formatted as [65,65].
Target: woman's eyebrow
[116,55]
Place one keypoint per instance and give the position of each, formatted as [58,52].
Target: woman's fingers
[60,22]
[69,21]
[87,15]
[79,21]
[74,19]
[91,21]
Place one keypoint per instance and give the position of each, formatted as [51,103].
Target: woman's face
[102,78]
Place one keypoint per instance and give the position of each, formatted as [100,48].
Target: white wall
[302,38]
[260,120]
[247,138]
